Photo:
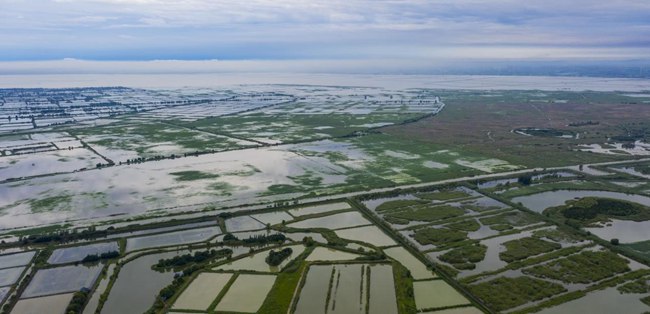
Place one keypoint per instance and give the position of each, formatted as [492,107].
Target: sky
[406,31]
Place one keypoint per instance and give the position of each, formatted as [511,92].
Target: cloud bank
[324,29]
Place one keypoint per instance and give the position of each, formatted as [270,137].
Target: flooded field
[416,267]
[624,230]
[93,302]
[61,279]
[347,289]
[9,276]
[16,259]
[330,255]
[436,294]
[243,223]
[368,234]
[172,238]
[4,291]
[541,201]
[55,304]
[137,285]
[312,298]
[273,218]
[382,290]
[194,225]
[77,253]
[602,302]
[202,291]
[256,262]
[317,209]
[337,221]
[252,288]
[386,189]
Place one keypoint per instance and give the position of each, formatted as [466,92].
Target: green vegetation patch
[279,299]
[192,175]
[646,300]
[545,132]
[638,286]
[439,236]
[526,247]
[585,267]
[397,204]
[645,169]
[465,225]
[59,202]
[590,210]
[427,213]
[512,219]
[443,195]
[465,257]
[404,289]
[556,235]
[642,248]
[505,293]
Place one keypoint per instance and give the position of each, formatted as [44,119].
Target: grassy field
[464,257]
[526,247]
[590,210]
[439,236]
[482,125]
[505,293]
[585,267]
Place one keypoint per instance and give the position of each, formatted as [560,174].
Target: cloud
[320,29]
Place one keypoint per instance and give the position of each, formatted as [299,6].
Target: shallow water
[326,254]
[626,231]
[9,276]
[137,285]
[78,253]
[257,261]
[415,266]
[50,304]
[603,301]
[436,294]
[247,293]
[202,291]
[243,223]
[369,234]
[314,293]
[318,209]
[541,201]
[382,290]
[337,221]
[16,259]
[92,304]
[61,279]
[172,238]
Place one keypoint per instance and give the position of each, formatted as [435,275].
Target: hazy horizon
[504,37]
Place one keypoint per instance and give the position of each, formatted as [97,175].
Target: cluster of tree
[256,239]
[276,258]
[372,256]
[590,208]
[283,204]
[90,258]
[167,292]
[78,301]
[525,180]
[65,236]
[100,165]
[584,123]
[308,241]
[140,160]
[264,239]
[196,258]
